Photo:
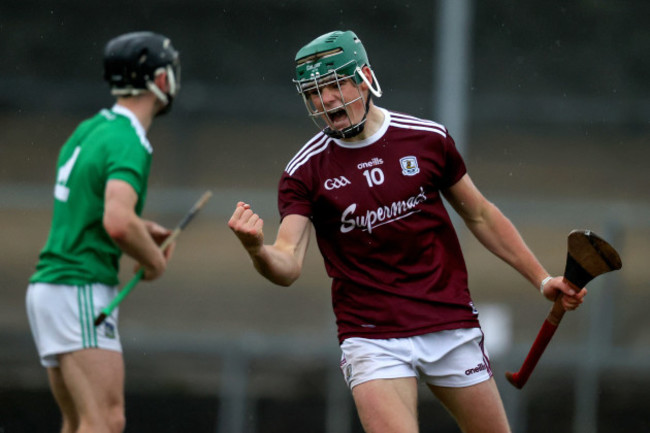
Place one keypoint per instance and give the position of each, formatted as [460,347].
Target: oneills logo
[477,369]
[371,163]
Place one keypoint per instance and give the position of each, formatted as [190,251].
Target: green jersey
[110,145]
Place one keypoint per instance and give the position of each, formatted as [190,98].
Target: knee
[117,420]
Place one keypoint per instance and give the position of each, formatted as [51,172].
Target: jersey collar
[139,129]
[370,140]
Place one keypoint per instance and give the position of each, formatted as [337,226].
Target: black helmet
[132,60]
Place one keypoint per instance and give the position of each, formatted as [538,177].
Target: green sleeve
[129,161]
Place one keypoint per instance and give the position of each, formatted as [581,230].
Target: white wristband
[543,283]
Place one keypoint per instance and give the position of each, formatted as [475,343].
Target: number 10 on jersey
[374,176]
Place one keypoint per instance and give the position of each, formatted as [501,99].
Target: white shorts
[62,317]
[453,358]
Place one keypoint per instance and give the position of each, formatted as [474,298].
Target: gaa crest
[409,165]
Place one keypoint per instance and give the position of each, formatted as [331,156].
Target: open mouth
[338,118]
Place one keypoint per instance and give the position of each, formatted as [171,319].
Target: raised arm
[497,233]
[281,262]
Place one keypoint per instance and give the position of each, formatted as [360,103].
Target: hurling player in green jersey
[99,194]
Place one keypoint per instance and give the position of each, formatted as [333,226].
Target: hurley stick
[138,276]
[588,256]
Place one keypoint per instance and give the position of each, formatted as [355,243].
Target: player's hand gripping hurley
[138,276]
[588,256]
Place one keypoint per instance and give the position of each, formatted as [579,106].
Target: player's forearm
[130,233]
[497,233]
[278,266]
[128,230]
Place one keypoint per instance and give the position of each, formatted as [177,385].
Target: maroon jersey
[388,243]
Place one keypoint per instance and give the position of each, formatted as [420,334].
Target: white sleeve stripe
[411,119]
[420,127]
[427,124]
[314,142]
[314,151]
[407,116]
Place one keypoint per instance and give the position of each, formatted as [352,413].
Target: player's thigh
[63,397]
[477,408]
[387,405]
[95,380]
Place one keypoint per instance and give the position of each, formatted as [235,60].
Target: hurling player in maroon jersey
[371,184]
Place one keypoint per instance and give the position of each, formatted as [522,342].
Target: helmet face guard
[334,60]
[324,117]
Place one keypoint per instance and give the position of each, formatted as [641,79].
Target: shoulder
[106,122]
[403,121]
[312,149]
[118,130]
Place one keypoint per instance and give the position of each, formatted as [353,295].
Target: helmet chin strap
[167,107]
[156,91]
[165,98]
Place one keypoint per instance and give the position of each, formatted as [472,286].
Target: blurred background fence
[550,104]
